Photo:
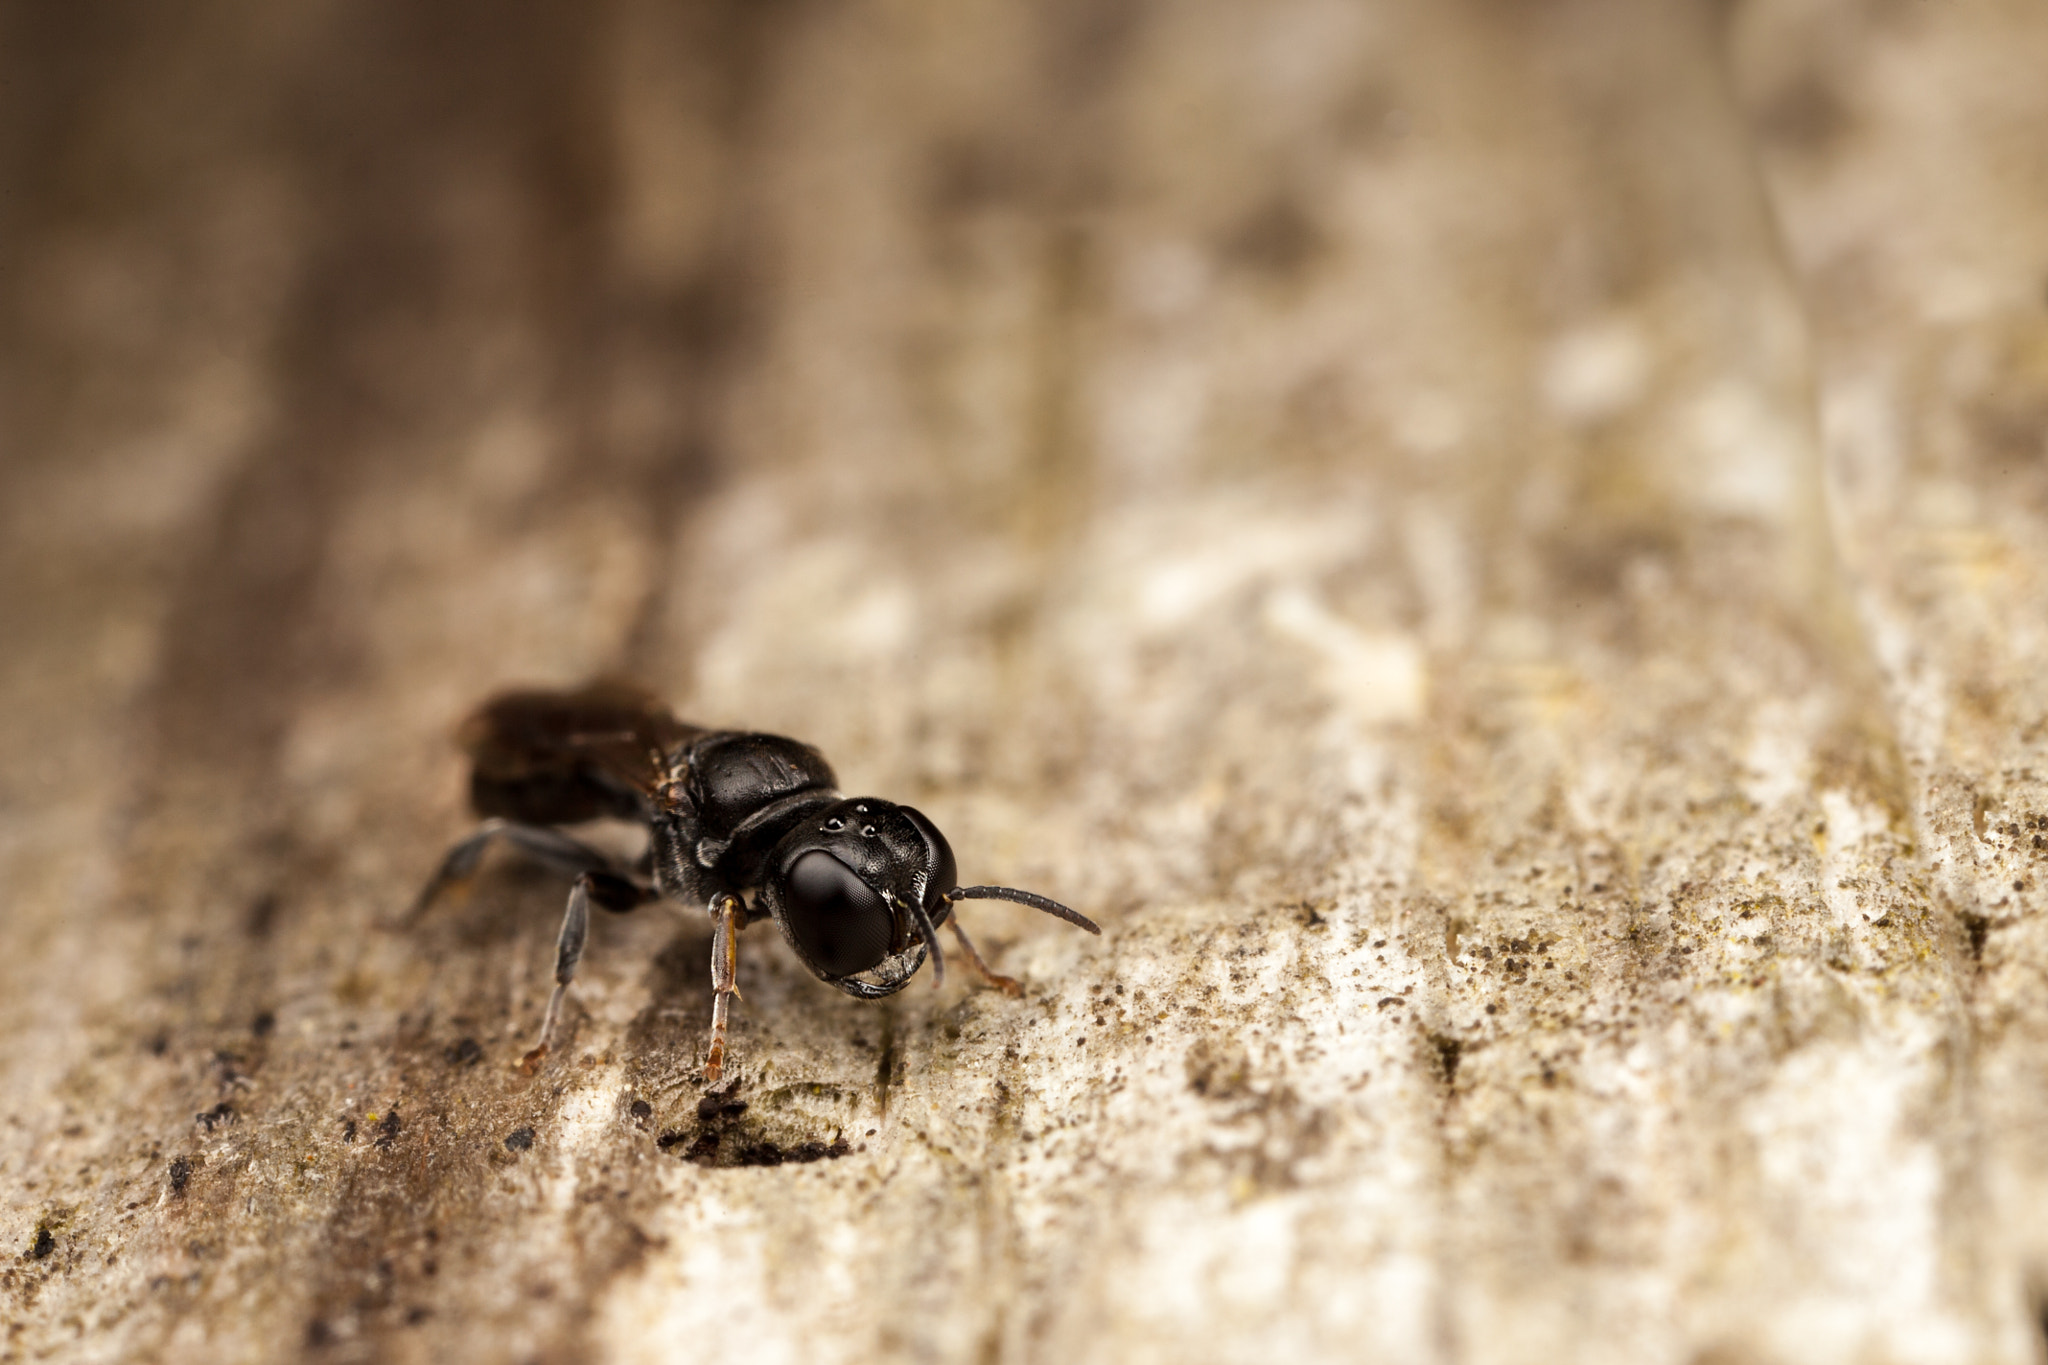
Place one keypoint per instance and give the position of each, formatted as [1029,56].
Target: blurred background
[1497,547]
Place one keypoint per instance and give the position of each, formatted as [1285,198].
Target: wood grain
[1495,548]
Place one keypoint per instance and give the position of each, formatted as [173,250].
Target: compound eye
[838,920]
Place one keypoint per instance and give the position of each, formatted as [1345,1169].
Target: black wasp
[859,885]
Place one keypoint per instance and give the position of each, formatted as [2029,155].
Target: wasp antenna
[1030,898]
[931,941]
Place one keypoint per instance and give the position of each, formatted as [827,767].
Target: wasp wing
[555,758]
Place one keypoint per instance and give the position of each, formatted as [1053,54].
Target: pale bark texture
[1499,548]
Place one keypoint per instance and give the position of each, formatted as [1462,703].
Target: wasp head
[859,889]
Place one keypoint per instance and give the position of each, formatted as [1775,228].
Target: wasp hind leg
[615,893]
[545,845]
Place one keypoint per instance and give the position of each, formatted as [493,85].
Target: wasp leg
[1008,985]
[613,892]
[549,847]
[728,916]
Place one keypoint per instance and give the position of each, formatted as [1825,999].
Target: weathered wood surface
[1498,548]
